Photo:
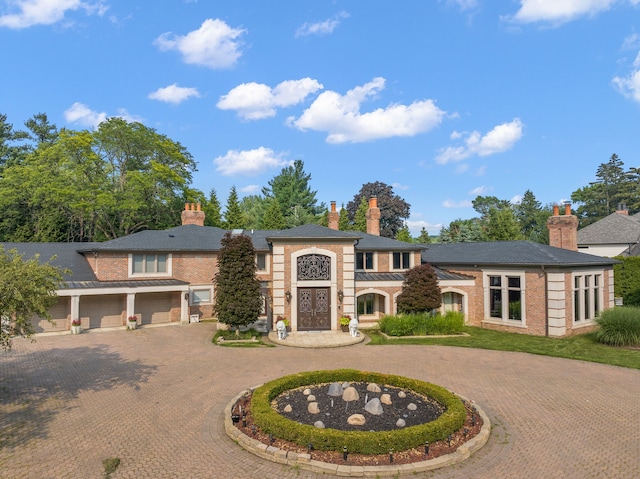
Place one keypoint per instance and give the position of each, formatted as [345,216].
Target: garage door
[154,308]
[103,311]
[59,314]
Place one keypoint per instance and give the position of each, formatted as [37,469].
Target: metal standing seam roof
[364,276]
[125,284]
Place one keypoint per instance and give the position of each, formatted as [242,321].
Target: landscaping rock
[311,398]
[386,399]
[319,424]
[313,408]
[306,392]
[401,423]
[412,407]
[402,394]
[335,389]
[373,388]
[288,408]
[350,394]
[374,407]
[356,420]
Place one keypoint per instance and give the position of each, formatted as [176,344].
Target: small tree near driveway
[420,290]
[237,290]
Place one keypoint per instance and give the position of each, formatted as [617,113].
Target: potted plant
[344,323]
[285,321]
[76,326]
[132,322]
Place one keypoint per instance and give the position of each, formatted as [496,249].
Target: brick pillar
[373,217]
[192,215]
[563,229]
[334,217]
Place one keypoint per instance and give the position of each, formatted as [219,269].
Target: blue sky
[442,99]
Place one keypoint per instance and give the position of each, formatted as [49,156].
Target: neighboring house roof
[613,229]
[67,257]
[504,253]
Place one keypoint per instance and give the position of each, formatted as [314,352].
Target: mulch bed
[471,427]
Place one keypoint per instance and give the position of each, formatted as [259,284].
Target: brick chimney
[373,217]
[334,217]
[192,215]
[622,209]
[563,229]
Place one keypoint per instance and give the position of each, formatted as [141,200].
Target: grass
[230,336]
[582,347]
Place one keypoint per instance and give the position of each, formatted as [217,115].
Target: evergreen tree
[27,289]
[273,219]
[502,225]
[424,237]
[252,207]
[233,216]
[420,290]
[404,235]
[460,231]
[360,218]
[343,222]
[238,300]
[211,208]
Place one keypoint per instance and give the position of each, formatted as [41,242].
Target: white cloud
[321,28]
[339,116]
[559,11]
[480,190]
[249,162]
[629,86]
[516,200]
[416,226]
[457,204]
[174,94]
[46,12]
[632,42]
[464,4]
[400,187]
[84,116]
[462,168]
[255,101]
[214,45]
[250,189]
[498,140]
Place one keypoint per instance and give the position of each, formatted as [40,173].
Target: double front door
[314,309]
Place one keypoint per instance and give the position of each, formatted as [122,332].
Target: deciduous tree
[393,209]
[420,290]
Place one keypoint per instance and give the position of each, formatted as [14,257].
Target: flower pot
[76,329]
[132,324]
[344,328]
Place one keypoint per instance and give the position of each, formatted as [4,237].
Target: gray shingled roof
[380,243]
[503,253]
[66,257]
[613,229]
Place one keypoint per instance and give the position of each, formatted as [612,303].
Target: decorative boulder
[385,399]
[356,420]
[335,389]
[350,394]
[345,385]
[313,408]
[306,392]
[288,408]
[401,423]
[373,388]
[412,407]
[319,424]
[374,407]
[311,398]
[402,394]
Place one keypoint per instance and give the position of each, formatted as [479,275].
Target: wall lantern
[287,295]
[340,296]
[186,296]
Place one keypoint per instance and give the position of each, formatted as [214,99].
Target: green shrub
[422,324]
[364,442]
[619,326]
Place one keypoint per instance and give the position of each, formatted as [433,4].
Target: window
[586,296]
[261,262]
[201,295]
[364,261]
[370,304]
[505,297]
[150,264]
[401,260]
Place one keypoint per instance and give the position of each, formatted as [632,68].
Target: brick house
[313,275]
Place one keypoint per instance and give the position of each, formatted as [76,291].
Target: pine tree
[343,222]
[211,208]
[420,290]
[273,219]
[233,216]
[424,237]
[404,235]
[238,300]
[360,218]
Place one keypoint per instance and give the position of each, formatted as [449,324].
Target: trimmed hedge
[364,442]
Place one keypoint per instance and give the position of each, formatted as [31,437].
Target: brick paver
[155,399]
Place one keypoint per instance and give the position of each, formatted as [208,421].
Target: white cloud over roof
[46,12]
[174,94]
[501,138]
[340,116]
[255,101]
[559,11]
[321,28]
[249,162]
[629,85]
[215,44]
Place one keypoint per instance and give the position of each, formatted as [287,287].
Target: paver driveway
[154,398]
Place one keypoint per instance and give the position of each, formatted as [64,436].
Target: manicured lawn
[582,347]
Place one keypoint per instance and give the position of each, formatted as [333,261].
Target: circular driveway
[155,398]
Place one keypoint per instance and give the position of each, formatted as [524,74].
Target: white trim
[465,300]
[397,270]
[200,287]
[387,301]
[504,274]
[364,262]
[583,320]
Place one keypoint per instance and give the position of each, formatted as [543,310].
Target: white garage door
[103,311]
[154,308]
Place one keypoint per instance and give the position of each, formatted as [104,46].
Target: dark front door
[314,309]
